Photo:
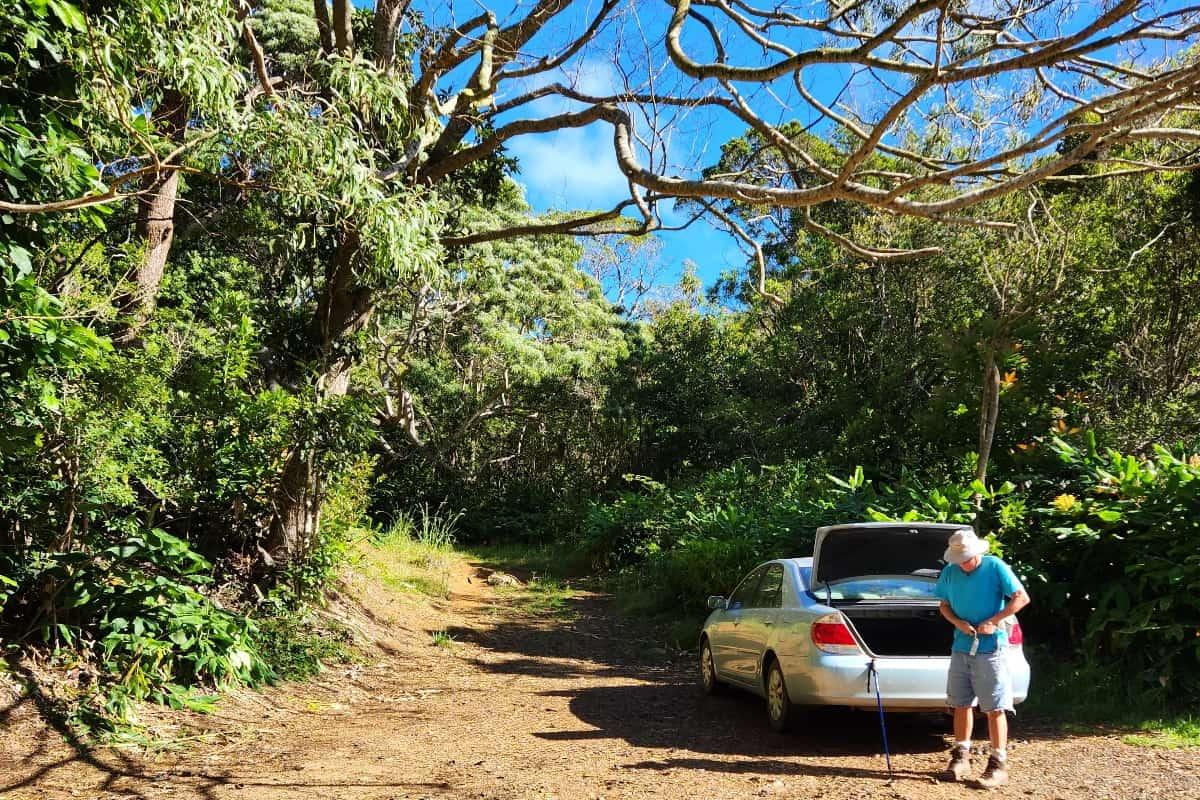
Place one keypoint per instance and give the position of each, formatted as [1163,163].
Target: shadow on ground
[630,689]
[37,763]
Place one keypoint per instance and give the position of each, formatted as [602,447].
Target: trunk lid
[842,552]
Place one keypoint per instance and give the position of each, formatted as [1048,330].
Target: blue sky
[576,169]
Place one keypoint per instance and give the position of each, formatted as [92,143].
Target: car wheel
[780,711]
[708,670]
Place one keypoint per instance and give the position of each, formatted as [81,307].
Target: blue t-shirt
[976,596]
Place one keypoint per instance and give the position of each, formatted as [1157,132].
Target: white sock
[964,743]
[1000,753]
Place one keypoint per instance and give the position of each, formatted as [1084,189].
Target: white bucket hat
[964,545]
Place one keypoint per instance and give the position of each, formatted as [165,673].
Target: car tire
[781,713]
[708,670]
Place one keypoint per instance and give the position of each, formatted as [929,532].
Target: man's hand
[961,624]
[987,628]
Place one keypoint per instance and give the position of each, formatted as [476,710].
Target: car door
[728,641]
[758,622]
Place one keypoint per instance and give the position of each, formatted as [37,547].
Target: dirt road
[537,706]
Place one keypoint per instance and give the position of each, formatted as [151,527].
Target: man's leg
[998,730]
[964,723]
[991,678]
[960,696]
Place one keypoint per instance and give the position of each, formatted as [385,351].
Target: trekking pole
[871,670]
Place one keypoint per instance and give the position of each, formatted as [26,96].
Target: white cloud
[573,168]
[576,168]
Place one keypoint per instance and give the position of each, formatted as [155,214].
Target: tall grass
[430,527]
[416,552]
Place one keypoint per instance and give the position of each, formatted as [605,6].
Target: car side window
[770,590]
[745,594]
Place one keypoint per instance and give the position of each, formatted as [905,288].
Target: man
[978,592]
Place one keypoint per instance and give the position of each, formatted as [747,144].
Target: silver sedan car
[807,631]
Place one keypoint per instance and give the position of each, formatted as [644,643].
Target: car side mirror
[716,601]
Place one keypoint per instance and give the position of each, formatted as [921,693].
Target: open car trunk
[900,557]
[901,629]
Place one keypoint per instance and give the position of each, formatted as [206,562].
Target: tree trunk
[155,225]
[989,410]
[297,504]
[343,32]
[324,27]
[387,22]
[344,308]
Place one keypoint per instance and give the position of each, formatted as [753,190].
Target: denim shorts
[984,677]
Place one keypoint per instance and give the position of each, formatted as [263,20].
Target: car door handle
[768,623]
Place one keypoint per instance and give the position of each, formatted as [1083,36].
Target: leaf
[49,397]
[20,257]
[70,16]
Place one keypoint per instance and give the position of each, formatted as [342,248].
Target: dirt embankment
[517,705]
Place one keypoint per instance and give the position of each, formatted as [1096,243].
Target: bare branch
[760,284]
[869,253]
[578,225]
[256,51]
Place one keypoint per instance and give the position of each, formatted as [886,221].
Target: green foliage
[428,527]
[139,609]
[1170,734]
[1091,696]
[1107,543]
[140,483]
[7,586]
[296,645]
[689,542]
[1126,553]
[415,554]
[506,383]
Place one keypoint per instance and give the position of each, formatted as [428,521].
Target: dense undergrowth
[1106,544]
[158,629]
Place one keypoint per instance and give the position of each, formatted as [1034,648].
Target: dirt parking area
[522,705]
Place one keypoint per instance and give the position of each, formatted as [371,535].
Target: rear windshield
[898,588]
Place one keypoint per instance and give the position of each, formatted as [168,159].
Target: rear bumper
[905,684]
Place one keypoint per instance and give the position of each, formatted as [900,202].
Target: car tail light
[831,635]
[1015,634]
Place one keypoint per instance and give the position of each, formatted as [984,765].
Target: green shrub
[137,607]
[1124,537]
[1108,545]
[296,647]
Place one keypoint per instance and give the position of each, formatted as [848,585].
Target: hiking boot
[960,764]
[996,774]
